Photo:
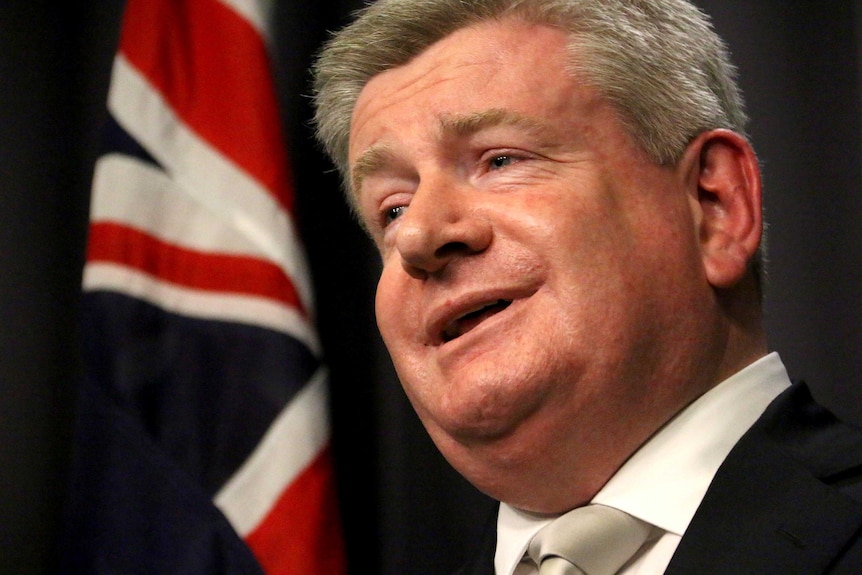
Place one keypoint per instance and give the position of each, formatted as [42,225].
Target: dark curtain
[799,64]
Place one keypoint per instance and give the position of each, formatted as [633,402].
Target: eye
[500,161]
[392,214]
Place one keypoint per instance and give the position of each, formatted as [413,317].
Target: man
[569,218]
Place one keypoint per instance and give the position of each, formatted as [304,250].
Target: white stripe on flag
[257,311]
[138,194]
[206,175]
[296,437]
[255,12]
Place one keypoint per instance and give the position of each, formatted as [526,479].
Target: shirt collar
[664,481]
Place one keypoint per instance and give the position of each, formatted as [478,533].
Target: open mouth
[468,321]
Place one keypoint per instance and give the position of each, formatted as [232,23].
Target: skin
[606,289]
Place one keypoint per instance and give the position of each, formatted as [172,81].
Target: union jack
[203,431]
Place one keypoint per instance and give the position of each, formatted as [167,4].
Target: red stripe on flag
[285,546]
[119,244]
[224,92]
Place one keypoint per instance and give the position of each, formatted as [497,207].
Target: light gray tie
[591,540]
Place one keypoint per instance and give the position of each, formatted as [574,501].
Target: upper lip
[446,316]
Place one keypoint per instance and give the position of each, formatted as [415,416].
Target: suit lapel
[770,507]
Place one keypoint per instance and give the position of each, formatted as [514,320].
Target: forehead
[507,64]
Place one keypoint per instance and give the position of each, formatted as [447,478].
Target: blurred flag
[202,441]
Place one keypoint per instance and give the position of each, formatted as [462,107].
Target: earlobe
[729,202]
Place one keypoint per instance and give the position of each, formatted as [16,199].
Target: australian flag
[202,440]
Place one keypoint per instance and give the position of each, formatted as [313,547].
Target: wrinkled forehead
[516,16]
[469,62]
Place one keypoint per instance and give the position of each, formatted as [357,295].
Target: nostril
[415,271]
[420,263]
[451,249]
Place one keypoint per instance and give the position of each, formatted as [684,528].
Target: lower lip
[487,327]
[473,322]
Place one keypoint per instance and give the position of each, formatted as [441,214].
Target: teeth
[473,318]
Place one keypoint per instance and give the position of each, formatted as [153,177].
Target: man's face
[542,288]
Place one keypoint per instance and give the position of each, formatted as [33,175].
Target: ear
[724,177]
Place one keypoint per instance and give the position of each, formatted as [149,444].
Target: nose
[442,223]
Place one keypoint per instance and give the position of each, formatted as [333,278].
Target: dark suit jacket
[786,501]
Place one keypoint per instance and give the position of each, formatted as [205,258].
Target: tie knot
[596,539]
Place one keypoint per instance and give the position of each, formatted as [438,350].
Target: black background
[800,69]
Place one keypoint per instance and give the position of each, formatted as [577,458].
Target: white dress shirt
[664,481]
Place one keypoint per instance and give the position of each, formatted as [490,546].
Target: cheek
[396,310]
[384,305]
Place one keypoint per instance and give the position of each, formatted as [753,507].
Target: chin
[475,420]
[473,426]
[486,402]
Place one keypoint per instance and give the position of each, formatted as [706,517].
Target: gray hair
[658,62]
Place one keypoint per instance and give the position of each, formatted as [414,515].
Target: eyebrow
[469,124]
[371,160]
[379,155]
